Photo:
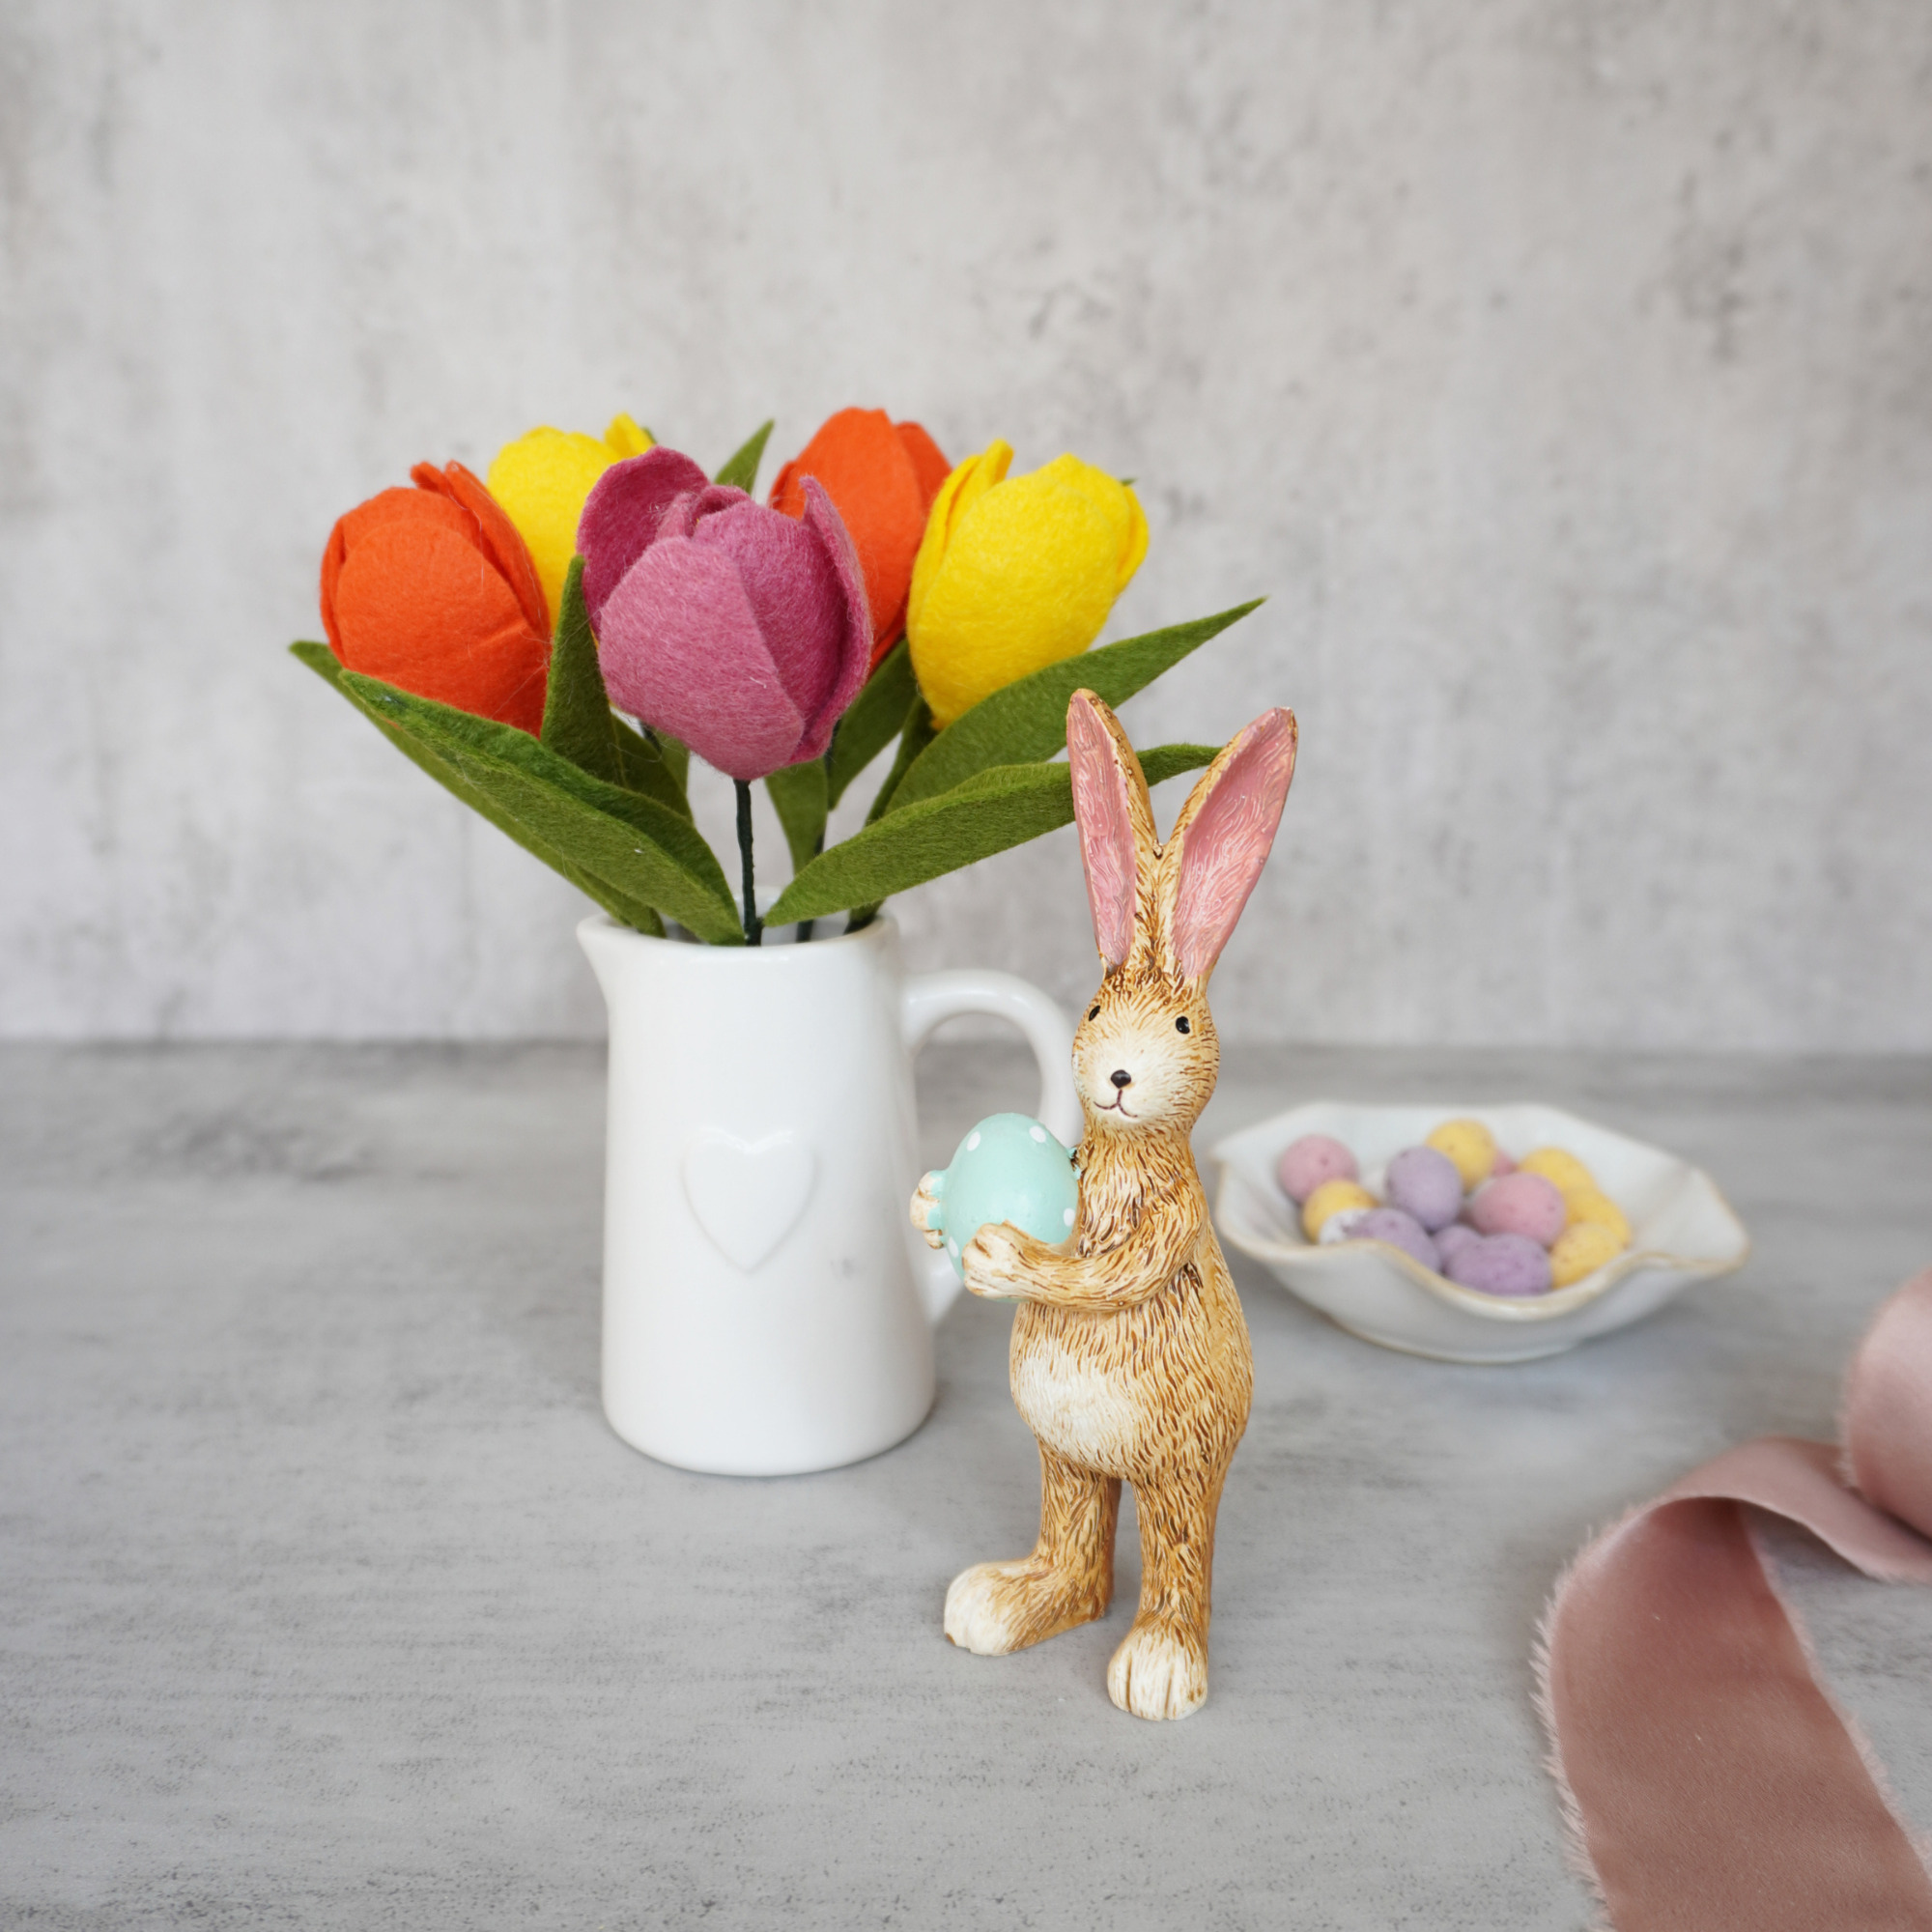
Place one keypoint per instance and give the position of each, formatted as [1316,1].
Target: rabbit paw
[996,1608]
[993,1266]
[1160,1669]
[925,1211]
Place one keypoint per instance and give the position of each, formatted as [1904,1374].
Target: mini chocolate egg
[1469,1144]
[1451,1240]
[1423,1181]
[1581,1250]
[1561,1168]
[1519,1203]
[1588,1204]
[1306,1163]
[1503,1165]
[1340,1225]
[1399,1230]
[1328,1198]
[1502,1264]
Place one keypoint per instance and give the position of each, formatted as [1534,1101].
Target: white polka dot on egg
[1038,1134]
[971,1140]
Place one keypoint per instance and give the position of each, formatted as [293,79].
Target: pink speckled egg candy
[1502,1264]
[1503,1165]
[1424,1181]
[1399,1230]
[1519,1203]
[1311,1161]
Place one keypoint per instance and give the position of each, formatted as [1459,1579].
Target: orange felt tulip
[882,478]
[432,589]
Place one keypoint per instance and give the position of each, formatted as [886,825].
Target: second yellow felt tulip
[1015,573]
[542,480]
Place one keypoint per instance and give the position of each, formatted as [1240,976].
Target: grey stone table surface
[327,1597]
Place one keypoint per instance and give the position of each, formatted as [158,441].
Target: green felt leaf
[676,754]
[319,659]
[914,737]
[632,842]
[798,791]
[577,722]
[990,812]
[871,721]
[740,467]
[621,907]
[1027,719]
[644,759]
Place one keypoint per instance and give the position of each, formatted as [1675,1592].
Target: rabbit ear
[1221,840]
[1116,819]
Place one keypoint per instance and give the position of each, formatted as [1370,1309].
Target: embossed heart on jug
[748,1195]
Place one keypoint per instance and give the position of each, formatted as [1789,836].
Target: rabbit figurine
[1130,1359]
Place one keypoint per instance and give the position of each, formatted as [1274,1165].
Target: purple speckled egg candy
[1309,1162]
[1502,1264]
[1399,1230]
[1519,1203]
[1450,1241]
[1425,1184]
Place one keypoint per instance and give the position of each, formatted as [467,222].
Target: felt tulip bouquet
[505,634]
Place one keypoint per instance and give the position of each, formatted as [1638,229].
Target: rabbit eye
[1093,1011]
[1182,1024]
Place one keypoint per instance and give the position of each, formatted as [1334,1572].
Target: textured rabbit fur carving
[1130,1359]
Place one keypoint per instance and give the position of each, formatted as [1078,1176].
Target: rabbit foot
[1160,1669]
[994,1608]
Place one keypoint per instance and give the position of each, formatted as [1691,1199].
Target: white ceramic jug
[768,1307]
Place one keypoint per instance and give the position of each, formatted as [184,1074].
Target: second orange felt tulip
[882,478]
[433,589]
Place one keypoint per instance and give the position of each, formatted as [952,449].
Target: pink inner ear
[1106,832]
[1225,847]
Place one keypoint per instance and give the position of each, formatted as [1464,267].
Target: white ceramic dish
[1681,1230]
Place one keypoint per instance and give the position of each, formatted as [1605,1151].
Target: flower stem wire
[754,926]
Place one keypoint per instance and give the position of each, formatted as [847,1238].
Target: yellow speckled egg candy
[1563,1171]
[1580,1250]
[1330,1198]
[1470,1146]
[1590,1206]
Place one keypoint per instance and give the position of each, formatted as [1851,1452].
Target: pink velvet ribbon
[1709,1781]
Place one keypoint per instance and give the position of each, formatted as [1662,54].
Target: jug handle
[927,999]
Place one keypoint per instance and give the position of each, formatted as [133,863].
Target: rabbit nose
[1121,1077]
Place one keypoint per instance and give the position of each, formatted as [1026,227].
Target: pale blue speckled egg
[1007,1169]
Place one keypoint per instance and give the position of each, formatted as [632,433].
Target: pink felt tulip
[731,626]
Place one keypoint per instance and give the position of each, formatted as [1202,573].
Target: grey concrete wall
[1563,371]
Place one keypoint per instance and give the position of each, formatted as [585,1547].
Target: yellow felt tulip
[542,480]
[1015,573]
